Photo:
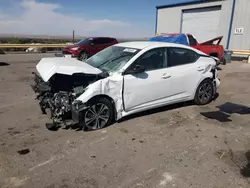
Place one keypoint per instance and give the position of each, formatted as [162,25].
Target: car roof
[151,44]
[100,38]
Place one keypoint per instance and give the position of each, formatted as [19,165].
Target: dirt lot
[177,146]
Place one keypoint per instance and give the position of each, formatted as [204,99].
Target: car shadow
[161,109]
[232,108]
[225,110]
[4,64]
[245,171]
[217,115]
[156,110]
[219,68]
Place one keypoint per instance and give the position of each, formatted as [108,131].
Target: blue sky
[120,18]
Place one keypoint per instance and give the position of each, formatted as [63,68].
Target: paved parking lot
[177,146]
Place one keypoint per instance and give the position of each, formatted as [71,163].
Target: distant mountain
[60,37]
[38,36]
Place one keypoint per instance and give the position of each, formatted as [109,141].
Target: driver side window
[151,60]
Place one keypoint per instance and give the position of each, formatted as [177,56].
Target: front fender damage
[65,98]
[110,87]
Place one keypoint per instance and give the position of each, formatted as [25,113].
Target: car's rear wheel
[83,56]
[224,62]
[98,115]
[204,93]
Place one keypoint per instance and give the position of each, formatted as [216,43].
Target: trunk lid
[211,42]
[47,67]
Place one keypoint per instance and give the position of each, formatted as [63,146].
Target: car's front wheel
[83,56]
[99,115]
[204,93]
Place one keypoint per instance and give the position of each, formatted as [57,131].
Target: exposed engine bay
[57,95]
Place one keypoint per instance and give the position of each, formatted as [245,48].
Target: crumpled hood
[47,67]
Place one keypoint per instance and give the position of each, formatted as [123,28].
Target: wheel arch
[195,99]
[202,80]
[107,97]
[81,51]
[214,54]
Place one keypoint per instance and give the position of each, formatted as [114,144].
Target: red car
[211,47]
[88,47]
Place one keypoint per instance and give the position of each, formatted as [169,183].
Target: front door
[96,46]
[148,88]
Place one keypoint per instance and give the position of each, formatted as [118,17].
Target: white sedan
[124,79]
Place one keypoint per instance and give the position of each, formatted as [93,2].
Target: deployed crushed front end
[57,94]
[60,105]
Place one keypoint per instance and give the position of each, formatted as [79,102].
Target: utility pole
[73,37]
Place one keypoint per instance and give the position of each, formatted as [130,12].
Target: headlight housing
[79,105]
[75,48]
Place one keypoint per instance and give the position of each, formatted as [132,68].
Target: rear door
[185,72]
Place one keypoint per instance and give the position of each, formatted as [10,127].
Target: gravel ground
[177,146]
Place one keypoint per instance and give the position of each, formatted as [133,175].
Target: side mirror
[91,44]
[136,69]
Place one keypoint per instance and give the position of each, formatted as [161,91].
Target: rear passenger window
[181,56]
[192,41]
[109,40]
[104,40]
[97,41]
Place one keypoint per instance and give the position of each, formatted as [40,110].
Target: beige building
[207,19]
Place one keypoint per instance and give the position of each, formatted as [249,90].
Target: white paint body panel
[146,89]
[47,67]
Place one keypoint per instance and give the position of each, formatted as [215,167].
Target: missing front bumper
[75,120]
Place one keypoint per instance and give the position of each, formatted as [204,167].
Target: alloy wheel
[205,92]
[97,116]
[83,56]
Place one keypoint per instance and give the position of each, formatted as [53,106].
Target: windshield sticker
[129,50]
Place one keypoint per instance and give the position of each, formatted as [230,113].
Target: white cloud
[42,18]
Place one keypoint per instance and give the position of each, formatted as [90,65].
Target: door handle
[200,69]
[165,76]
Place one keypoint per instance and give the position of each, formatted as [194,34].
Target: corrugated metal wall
[208,18]
[169,19]
[241,20]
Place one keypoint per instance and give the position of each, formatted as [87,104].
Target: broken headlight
[79,105]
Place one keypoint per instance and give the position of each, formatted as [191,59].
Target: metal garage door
[203,23]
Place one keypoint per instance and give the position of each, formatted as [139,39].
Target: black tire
[204,93]
[83,56]
[101,119]
[224,61]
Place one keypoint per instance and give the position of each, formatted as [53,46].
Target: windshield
[83,41]
[112,59]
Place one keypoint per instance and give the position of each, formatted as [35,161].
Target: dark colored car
[88,47]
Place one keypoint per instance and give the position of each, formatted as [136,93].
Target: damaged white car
[121,80]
